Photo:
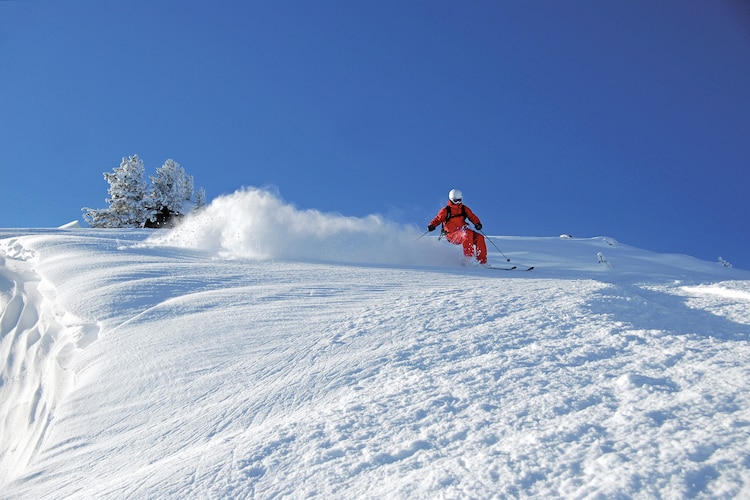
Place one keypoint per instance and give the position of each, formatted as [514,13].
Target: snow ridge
[37,341]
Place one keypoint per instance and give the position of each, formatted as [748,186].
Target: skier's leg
[456,237]
[462,237]
[481,245]
[468,246]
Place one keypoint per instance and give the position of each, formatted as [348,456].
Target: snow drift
[262,351]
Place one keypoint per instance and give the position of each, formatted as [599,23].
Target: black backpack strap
[448,213]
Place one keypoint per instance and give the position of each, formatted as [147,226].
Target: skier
[456,230]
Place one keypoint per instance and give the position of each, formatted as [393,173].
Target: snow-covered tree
[200,199]
[133,204]
[170,187]
[189,187]
[127,202]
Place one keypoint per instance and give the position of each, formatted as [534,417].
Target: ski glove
[430,228]
[478,226]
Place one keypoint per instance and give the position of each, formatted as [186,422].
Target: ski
[489,266]
[514,268]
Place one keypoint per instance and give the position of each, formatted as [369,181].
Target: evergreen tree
[189,187]
[127,202]
[170,188]
[131,204]
[200,199]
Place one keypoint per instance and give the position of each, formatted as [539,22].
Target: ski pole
[493,244]
[422,235]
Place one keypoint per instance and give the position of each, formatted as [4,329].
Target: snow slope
[259,351]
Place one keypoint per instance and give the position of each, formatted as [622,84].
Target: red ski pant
[470,240]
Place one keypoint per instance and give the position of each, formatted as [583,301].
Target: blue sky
[629,119]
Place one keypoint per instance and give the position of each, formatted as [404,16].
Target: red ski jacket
[453,217]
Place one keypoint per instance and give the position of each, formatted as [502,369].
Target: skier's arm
[439,219]
[473,218]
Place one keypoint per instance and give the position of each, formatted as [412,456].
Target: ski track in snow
[255,379]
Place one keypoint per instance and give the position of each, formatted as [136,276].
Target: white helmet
[455,196]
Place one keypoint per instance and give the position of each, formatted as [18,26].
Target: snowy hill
[260,351]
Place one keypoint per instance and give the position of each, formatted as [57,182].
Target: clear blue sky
[626,118]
